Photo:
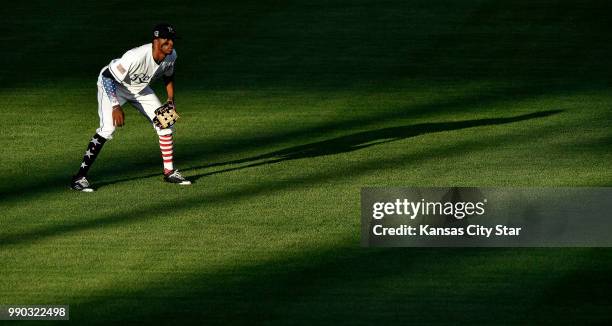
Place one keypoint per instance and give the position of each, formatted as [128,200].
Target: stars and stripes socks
[166,146]
[93,149]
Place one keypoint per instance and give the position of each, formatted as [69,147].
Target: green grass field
[288,109]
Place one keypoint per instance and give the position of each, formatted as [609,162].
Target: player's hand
[171,104]
[118,117]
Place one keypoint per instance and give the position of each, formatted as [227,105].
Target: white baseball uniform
[134,71]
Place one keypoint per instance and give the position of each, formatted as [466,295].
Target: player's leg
[103,133]
[147,102]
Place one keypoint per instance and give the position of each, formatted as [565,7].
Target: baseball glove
[165,116]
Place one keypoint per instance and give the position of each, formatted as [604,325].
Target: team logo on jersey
[141,78]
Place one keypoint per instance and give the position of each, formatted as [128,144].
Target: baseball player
[127,79]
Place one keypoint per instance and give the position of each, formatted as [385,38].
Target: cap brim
[170,37]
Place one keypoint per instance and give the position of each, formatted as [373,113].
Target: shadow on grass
[585,292]
[365,139]
[332,285]
[350,285]
[302,43]
[194,153]
[153,211]
[348,143]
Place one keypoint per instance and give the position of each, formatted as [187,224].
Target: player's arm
[169,82]
[110,88]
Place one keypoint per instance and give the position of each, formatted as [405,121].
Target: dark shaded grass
[346,285]
[321,44]
[351,286]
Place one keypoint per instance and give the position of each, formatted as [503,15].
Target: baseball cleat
[176,177]
[81,184]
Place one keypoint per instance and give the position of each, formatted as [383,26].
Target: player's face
[166,45]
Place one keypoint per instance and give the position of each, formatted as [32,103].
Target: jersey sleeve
[170,70]
[120,68]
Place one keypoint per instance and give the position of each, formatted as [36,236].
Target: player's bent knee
[106,132]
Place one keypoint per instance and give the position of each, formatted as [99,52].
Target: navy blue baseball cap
[164,30]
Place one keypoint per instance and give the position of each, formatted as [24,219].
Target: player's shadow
[361,140]
[328,147]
